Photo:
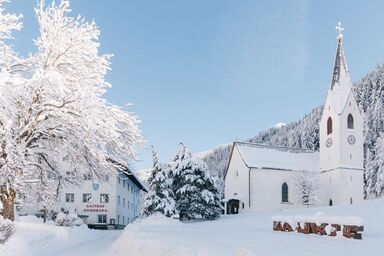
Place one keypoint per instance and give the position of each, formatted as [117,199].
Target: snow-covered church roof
[280,158]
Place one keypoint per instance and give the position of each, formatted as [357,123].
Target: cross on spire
[339,28]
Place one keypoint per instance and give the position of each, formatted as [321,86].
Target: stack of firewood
[349,231]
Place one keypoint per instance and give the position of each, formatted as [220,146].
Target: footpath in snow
[33,238]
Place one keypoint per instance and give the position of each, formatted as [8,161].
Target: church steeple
[341,84]
[340,69]
[341,137]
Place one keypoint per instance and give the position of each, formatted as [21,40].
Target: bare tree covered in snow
[308,187]
[54,117]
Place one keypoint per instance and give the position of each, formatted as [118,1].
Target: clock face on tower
[351,139]
[328,143]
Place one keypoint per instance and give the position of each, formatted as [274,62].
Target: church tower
[341,138]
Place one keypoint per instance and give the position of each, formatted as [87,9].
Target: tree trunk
[8,198]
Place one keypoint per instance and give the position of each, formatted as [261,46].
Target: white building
[109,203]
[261,178]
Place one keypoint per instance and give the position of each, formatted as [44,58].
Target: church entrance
[233,206]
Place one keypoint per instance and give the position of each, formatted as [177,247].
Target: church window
[329,126]
[350,200]
[330,202]
[284,193]
[350,156]
[350,122]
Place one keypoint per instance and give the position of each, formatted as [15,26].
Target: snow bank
[68,220]
[138,245]
[157,219]
[6,229]
[320,218]
[34,238]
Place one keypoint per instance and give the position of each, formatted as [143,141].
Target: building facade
[261,178]
[115,203]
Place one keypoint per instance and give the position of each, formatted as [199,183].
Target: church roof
[341,84]
[281,158]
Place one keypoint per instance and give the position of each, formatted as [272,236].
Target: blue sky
[210,72]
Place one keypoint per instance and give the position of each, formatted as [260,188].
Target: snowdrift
[252,234]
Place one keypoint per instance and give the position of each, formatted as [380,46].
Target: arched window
[329,125]
[350,121]
[330,202]
[284,193]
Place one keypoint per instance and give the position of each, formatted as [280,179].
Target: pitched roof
[281,158]
[123,169]
[341,84]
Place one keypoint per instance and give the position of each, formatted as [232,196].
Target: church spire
[340,75]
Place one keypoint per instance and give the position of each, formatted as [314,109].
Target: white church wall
[341,186]
[329,156]
[341,160]
[236,181]
[352,155]
[266,190]
[352,190]
[330,182]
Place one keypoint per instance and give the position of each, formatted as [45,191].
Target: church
[262,178]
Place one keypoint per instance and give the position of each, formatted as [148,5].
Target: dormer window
[329,126]
[350,121]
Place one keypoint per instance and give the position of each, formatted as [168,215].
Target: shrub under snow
[68,220]
[6,229]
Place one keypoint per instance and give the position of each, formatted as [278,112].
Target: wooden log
[321,229]
[277,226]
[351,231]
[287,227]
[312,228]
[300,229]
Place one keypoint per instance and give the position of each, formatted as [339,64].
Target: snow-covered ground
[33,238]
[251,234]
[236,235]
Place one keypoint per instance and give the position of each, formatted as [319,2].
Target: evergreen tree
[196,193]
[159,197]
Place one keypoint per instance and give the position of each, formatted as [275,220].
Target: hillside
[369,93]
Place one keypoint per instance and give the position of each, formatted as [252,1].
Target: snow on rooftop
[271,157]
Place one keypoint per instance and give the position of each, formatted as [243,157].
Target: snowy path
[37,239]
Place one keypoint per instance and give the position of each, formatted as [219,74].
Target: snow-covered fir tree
[54,116]
[308,187]
[196,193]
[160,196]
